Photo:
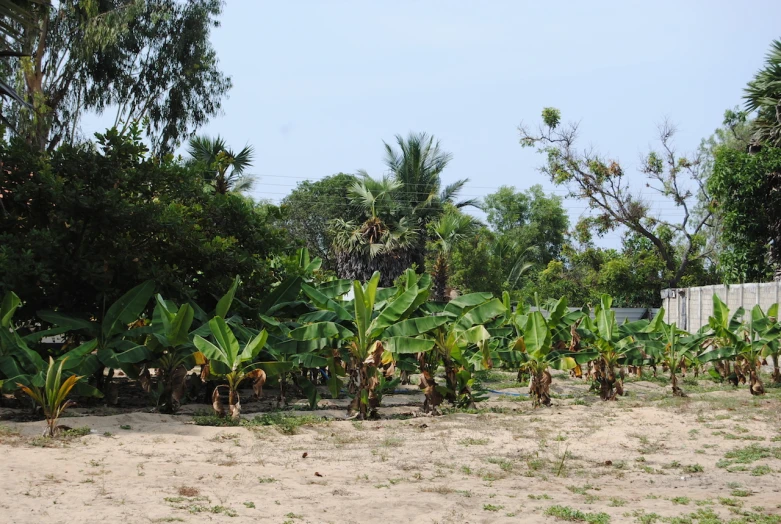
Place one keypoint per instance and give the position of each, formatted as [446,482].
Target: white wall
[690,307]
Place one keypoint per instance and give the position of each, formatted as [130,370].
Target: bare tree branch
[602,183]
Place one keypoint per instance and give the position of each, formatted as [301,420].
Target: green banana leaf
[224,304]
[402,345]
[127,309]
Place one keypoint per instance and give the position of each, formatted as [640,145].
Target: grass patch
[758,471]
[474,441]
[748,455]
[284,422]
[504,464]
[732,436]
[63,438]
[393,442]
[574,515]
[580,490]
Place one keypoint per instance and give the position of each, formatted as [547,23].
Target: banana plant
[21,365]
[674,350]
[172,353]
[232,362]
[461,325]
[747,345]
[766,323]
[609,345]
[282,311]
[52,396]
[721,337]
[362,330]
[117,335]
[539,348]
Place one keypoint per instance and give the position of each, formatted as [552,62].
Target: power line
[441,185]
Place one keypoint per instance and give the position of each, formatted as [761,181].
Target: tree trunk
[440,275]
[539,388]
[356,266]
[776,370]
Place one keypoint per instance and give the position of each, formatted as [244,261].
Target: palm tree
[447,231]
[222,168]
[507,247]
[417,165]
[763,94]
[382,242]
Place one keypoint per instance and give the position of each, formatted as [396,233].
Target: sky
[320,84]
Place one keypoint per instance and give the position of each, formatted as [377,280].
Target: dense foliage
[357,343]
[148,62]
[740,185]
[84,225]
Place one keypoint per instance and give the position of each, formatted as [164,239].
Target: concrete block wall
[690,307]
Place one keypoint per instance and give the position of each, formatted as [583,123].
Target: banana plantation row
[362,340]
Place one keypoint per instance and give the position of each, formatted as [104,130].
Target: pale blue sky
[318,85]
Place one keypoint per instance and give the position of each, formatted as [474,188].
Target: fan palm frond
[763,94]
[220,166]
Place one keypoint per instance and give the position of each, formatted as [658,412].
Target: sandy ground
[645,456]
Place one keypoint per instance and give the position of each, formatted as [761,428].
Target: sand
[646,453]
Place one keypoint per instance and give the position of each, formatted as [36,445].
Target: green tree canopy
[530,218]
[84,226]
[148,61]
[309,209]
[741,188]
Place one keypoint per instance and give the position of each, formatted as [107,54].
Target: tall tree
[601,182]
[763,95]
[220,166]
[446,232]
[528,219]
[741,185]
[417,166]
[383,242]
[80,227]
[475,266]
[308,210]
[149,60]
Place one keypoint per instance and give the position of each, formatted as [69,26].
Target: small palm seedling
[53,397]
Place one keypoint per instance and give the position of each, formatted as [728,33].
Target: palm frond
[243,159]
[205,149]
[242,183]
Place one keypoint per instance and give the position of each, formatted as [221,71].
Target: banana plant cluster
[357,338]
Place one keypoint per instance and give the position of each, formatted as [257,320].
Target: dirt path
[713,457]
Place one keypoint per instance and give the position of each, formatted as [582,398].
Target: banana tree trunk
[606,377]
[451,378]
[776,370]
[755,383]
[677,392]
[173,381]
[428,365]
[365,402]
[539,388]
